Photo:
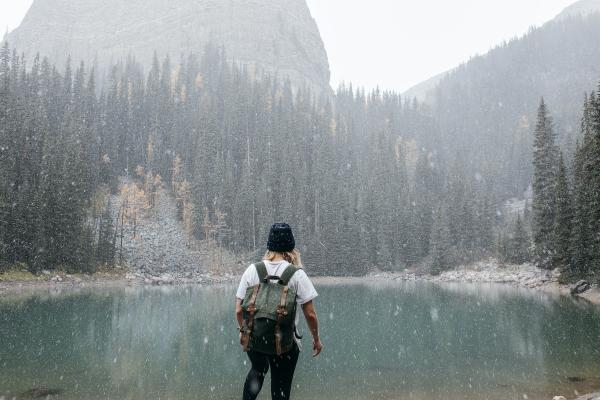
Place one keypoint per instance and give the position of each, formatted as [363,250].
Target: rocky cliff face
[274,35]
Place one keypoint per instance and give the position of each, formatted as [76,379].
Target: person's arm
[313,324]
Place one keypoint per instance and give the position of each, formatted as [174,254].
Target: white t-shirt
[305,291]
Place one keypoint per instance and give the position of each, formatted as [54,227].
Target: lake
[382,341]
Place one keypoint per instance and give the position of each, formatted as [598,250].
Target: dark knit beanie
[281,238]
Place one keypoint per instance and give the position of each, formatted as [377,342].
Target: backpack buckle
[272,278]
[281,310]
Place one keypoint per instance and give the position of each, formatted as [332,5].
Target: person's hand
[317,347]
[241,339]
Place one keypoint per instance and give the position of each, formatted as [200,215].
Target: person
[281,253]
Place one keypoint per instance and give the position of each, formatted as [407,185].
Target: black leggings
[282,373]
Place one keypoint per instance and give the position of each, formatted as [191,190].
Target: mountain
[486,107]
[581,8]
[272,35]
[424,91]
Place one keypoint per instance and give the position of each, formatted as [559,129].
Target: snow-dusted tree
[593,172]
[563,223]
[514,247]
[440,243]
[521,243]
[545,167]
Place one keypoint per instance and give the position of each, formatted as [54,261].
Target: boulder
[580,287]
[559,398]
[591,396]
[163,280]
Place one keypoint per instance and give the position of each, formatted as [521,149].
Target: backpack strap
[288,274]
[261,269]
[281,312]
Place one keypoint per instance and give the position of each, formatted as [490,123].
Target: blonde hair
[293,257]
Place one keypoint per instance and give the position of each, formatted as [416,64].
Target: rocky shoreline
[488,271]
[591,396]
[492,271]
[61,282]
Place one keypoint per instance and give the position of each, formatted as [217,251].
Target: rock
[163,280]
[272,35]
[559,398]
[591,396]
[580,287]
[56,279]
[45,272]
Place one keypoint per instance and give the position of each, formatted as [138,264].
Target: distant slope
[579,9]
[274,35]
[424,91]
[486,107]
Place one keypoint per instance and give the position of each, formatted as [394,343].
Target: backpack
[269,312]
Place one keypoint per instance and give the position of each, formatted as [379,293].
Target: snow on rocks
[487,271]
[162,253]
[591,396]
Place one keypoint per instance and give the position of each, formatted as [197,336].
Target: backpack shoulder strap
[261,269]
[288,273]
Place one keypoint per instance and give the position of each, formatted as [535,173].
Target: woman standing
[282,260]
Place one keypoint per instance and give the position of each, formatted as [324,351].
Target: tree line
[566,202]
[360,176]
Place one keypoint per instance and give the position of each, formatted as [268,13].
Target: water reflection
[385,341]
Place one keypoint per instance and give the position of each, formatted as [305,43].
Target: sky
[396,44]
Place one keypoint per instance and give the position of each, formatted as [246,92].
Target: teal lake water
[382,341]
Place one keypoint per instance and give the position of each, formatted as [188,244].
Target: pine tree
[592,170]
[563,224]
[514,248]
[253,151]
[545,162]
[580,263]
[440,244]
[520,243]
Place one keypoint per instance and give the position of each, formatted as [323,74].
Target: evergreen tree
[514,248]
[563,224]
[545,160]
[440,244]
[250,151]
[592,170]
[520,244]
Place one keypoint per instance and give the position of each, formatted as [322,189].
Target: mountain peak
[277,36]
[580,8]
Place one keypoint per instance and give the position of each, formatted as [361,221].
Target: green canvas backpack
[269,312]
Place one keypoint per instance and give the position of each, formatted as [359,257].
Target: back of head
[281,243]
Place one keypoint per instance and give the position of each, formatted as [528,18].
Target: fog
[398,44]
[156,155]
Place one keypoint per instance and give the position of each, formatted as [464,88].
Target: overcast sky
[398,43]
